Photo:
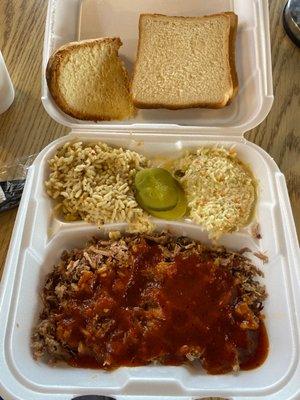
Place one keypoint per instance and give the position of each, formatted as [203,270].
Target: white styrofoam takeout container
[120,18]
[39,237]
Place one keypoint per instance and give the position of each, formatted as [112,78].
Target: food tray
[39,238]
[120,18]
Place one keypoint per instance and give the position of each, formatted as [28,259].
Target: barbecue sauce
[164,311]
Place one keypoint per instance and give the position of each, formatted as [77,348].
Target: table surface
[26,128]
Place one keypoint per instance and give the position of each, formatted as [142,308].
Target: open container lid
[120,18]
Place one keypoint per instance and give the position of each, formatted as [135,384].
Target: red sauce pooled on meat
[170,312]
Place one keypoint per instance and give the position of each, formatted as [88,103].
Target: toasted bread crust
[232,44]
[140,104]
[53,72]
[231,52]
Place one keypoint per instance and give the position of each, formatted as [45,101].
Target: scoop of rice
[94,183]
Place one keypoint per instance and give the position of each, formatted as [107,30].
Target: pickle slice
[157,189]
[175,213]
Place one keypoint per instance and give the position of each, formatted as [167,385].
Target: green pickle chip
[160,194]
[157,189]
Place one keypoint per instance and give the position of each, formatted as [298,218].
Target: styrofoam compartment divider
[120,18]
[43,238]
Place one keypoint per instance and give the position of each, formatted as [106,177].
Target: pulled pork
[151,298]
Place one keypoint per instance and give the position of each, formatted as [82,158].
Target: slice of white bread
[185,62]
[88,81]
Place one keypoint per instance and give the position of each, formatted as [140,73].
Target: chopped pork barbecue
[141,299]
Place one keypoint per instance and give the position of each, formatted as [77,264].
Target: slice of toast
[88,81]
[185,62]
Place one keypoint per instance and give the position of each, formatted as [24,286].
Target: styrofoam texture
[40,237]
[120,18]
[7,92]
